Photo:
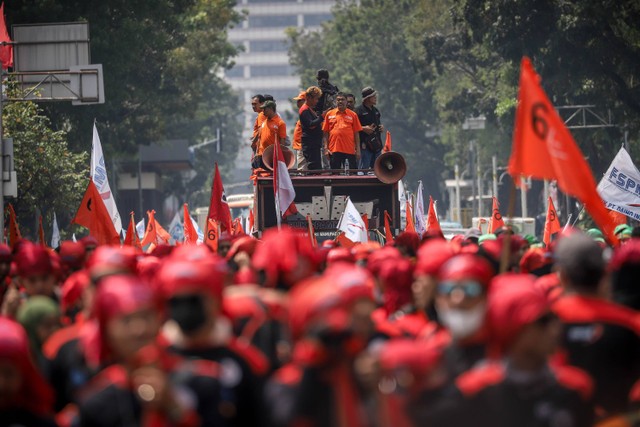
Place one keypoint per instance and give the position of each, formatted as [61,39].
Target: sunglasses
[470,289]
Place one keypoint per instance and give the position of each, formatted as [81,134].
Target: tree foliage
[51,178]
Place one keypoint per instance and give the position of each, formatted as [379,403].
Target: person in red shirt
[341,135]
[272,129]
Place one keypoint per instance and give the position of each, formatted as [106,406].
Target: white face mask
[462,323]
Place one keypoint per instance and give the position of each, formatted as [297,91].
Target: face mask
[188,312]
[462,323]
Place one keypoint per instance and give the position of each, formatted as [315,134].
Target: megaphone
[267,157]
[390,167]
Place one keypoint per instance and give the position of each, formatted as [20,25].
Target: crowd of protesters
[476,331]
[331,132]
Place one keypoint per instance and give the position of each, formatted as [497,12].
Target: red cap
[73,288]
[378,258]
[432,255]
[120,295]
[72,254]
[89,242]
[147,267]
[352,282]
[340,254]
[627,254]
[33,259]
[106,260]
[513,303]
[280,254]
[466,267]
[243,244]
[203,276]
[396,277]
[534,259]
[361,251]
[408,239]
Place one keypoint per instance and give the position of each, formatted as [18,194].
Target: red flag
[41,232]
[496,220]
[432,218]
[552,224]
[132,238]
[283,190]
[312,232]
[365,219]
[543,148]
[93,215]
[190,233]
[344,241]
[410,225]
[617,217]
[218,206]
[211,236]
[6,52]
[387,228]
[14,231]
[387,143]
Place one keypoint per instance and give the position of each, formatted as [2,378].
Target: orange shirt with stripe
[297,137]
[260,118]
[269,130]
[341,127]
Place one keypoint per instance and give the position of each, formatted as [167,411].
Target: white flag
[176,229]
[352,224]
[101,180]
[55,236]
[141,228]
[402,198]
[620,186]
[421,224]
[284,193]
[198,230]
[73,237]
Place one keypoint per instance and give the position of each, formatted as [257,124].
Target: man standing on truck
[341,139]
[370,135]
[272,129]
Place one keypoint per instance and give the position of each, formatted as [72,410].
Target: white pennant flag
[176,229]
[420,223]
[352,224]
[101,180]
[620,186]
[141,228]
[402,198]
[55,236]
[284,193]
[198,230]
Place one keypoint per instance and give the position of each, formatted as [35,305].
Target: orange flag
[14,230]
[387,143]
[154,234]
[132,238]
[410,225]
[552,224]
[312,232]
[93,215]
[236,227]
[211,236]
[344,241]
[190,233]
[496,220]
[387,228]
[41,232]
[251,221]
[432,218]
[543,148]
[617,217]
[6,52]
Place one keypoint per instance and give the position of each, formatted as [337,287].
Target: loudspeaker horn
[267,157]
[390,167]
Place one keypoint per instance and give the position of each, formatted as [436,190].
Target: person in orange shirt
[297,134]
[341,135]
[272,129]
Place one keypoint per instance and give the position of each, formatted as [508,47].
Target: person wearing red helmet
[521,387]
[192,284]
[329,379]
[431,256]
[598,335]
[138,383]
[25,397]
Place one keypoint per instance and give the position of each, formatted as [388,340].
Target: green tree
[51,178]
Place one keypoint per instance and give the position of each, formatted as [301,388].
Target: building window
[237,71]
[283,96]
[316,19]
[273,21]
[268,46]
[271,70]
[271,1]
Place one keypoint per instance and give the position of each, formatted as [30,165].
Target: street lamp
[475,123]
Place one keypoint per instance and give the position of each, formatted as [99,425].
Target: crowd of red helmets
[276,332]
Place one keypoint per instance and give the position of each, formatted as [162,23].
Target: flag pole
[275,187]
